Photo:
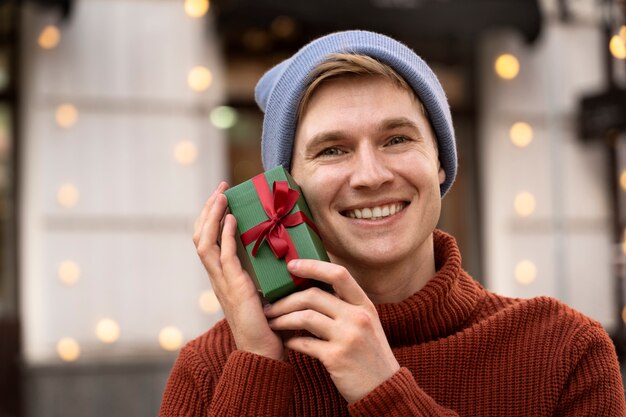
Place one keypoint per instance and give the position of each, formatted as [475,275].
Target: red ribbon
[277,205]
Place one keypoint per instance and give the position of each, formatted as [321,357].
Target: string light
[69,273]
[196,8]
[525,272]
[49,37]
[199,78]
[524,204]
[108,331]
[507,66]
[67,196]
[624,314]
[68,349]
[208,302]
[521,134]
[170,338]
[617,46]
[223,117]
[66,115]
[185,152]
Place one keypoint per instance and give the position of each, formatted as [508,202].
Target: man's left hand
[349,339]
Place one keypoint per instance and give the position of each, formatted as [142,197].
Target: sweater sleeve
[399,396]
[594,386]
[249,385]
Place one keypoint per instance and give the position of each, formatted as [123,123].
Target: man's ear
[442,175]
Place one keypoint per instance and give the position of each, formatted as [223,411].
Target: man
[365,129]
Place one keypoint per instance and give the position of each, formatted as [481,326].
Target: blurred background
[119,117]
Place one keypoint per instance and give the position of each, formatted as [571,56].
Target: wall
[127,221]
[568,236]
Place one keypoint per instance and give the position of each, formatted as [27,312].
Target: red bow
[277,205]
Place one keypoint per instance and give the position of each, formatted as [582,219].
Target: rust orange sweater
[463,351]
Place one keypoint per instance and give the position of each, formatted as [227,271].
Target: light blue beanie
[279,91]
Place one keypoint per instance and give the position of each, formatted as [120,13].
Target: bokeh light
[69,273]
[49,37]
[170,338]
[507,66]
[66,115]
[525,204]
[617,46]
[525,272]
[67,196]
[68,349]
[108,331]
[208,302]
[196,8]
[521,134]
[223,117]
[199,78]
[186,152]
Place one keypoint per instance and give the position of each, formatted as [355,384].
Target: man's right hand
[232,285]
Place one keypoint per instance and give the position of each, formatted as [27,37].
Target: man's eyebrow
[322,138]
[398,122]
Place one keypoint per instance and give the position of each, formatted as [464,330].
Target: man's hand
[232,285]
[349,339]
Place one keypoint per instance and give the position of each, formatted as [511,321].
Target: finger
[312,321]
[311,298]
[207,246]
[222,186]
[228,256]
[307,345]
[343,283]
[213,225]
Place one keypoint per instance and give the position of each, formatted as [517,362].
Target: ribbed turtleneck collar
[442,306]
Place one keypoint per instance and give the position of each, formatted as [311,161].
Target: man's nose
[370,169]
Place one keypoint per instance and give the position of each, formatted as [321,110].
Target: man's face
[366,160]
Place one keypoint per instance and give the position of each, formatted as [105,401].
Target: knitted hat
[279,91]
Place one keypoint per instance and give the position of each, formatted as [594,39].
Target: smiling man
[365,129]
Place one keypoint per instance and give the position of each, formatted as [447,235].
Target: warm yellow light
[69,273]
[170,338]
[108,331]
[68,349]
[525,204]
[507,66]
[66,115]
[617,46]
[622,180]
[622,32]
[49,37]
[223,117]
[624,314]
[186,152]
[525,272]
[208,302]
[521,134]
[199,78]
[67,195]
[196,8]
[283,27]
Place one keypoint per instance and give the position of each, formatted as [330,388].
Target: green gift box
[275,225]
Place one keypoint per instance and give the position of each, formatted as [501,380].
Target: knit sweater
[463,351]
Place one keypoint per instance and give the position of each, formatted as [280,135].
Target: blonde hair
[351,65]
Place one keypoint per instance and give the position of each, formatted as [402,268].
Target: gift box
[275,225]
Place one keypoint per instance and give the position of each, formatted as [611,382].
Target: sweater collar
[440,308]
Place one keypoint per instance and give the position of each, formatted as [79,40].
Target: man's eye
[396,140]
[331,152]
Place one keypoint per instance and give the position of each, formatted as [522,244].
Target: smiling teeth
[374,213]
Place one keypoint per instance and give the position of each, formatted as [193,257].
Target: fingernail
[294,264]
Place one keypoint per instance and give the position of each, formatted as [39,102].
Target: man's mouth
[375,213]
